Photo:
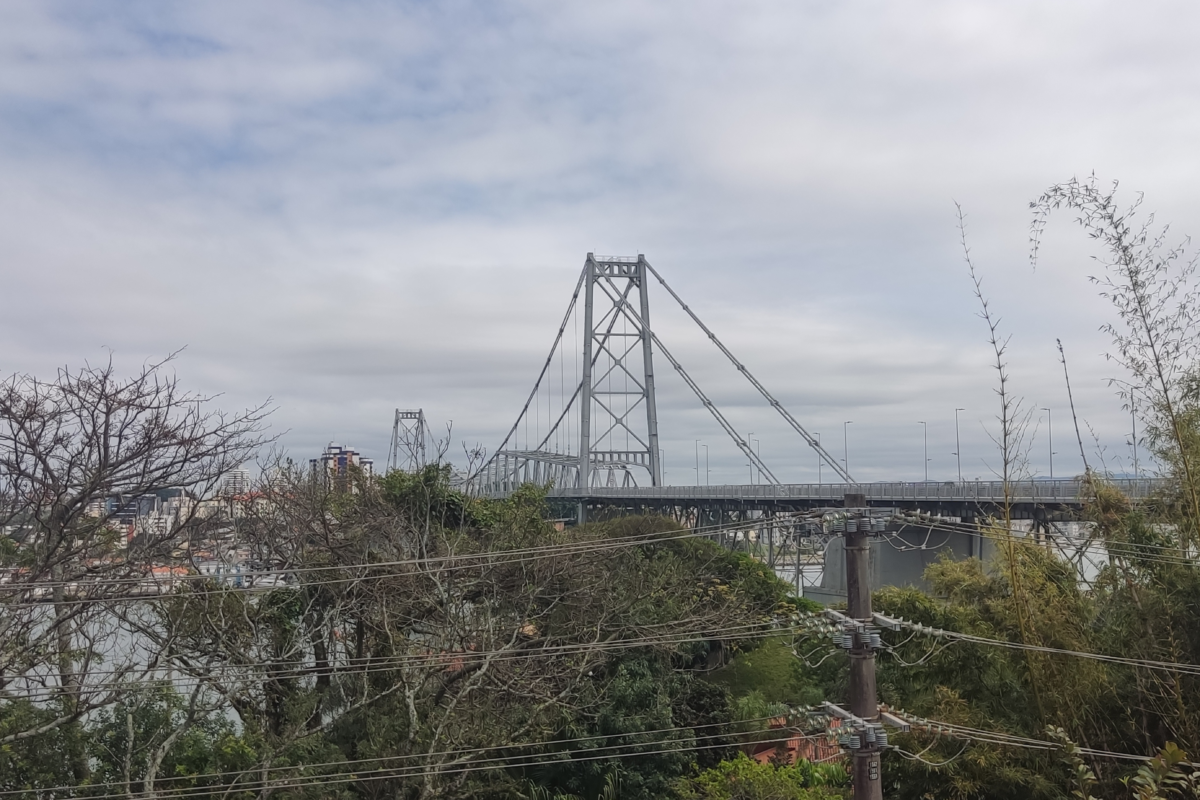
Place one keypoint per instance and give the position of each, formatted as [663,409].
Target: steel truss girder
[509,469]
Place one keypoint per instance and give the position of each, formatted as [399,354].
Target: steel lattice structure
[605,404]
[409,432]
[615,412]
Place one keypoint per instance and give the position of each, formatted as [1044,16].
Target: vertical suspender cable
[542,374]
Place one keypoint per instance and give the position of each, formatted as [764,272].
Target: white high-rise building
[237,483]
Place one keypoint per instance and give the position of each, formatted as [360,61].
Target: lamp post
[1133,418]
[697,462]
[751,465]
[662,461]
[1050,432]
[958,444]
[925,428]
[707,474]
[758,455]
[846,444]
[818,437]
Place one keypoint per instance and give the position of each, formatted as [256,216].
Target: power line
[1129,550]
[996,737]
[456,660]
[460,752]
[624,751]
[473,561]
[1170,666]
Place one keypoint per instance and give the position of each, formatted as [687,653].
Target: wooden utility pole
[864,701]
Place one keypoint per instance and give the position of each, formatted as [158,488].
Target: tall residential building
[336,462]
[237,483]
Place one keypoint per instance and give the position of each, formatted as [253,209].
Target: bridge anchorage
[599,428]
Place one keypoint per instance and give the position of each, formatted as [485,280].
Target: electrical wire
[947,525]
[935,765]
[451,660]
[422,771]
[977,735]
[473,561]
[995,737]
[905,547]
[1121,550]
[937,649]
[954,636]
[460,753]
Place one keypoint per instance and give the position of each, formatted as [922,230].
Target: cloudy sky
[354,206]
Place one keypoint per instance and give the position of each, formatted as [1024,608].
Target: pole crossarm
[812,442]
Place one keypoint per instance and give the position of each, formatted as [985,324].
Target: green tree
[413,650]
[742,778]
[154,739]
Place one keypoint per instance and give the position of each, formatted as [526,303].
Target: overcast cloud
[354,206]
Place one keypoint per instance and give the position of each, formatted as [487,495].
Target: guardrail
[1063,492]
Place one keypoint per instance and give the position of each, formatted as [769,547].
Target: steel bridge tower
[600,410]
[409,432]
[618,371]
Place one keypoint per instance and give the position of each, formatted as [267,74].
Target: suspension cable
[812,442]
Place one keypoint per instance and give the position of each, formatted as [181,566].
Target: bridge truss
[409,434]
[600,427]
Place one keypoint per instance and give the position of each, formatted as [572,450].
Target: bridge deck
[1028,499]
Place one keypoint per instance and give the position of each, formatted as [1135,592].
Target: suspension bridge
[593,434]
[590,430]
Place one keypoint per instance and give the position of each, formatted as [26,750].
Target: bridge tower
[618,371]
[407,449]
[587,432]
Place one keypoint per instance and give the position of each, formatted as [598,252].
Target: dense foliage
[428,644]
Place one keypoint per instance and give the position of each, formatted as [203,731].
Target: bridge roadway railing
[1042,492]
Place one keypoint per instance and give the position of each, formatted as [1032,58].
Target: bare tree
[78,453]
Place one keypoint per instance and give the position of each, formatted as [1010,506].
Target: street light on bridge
[750,465]
[1050,431]
[958,444]
[925,428]
[846,444]
[819,459]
